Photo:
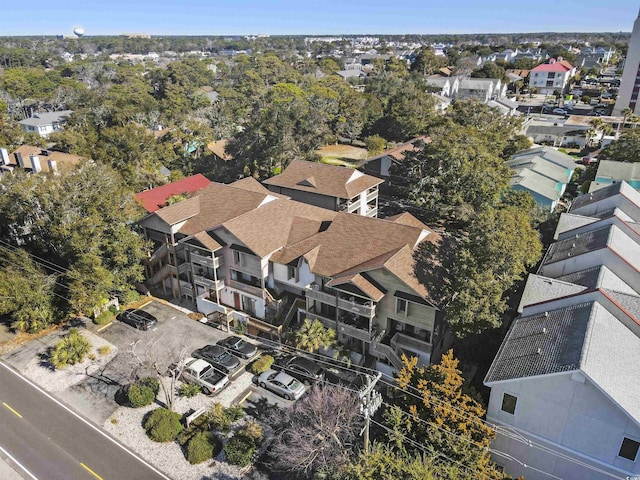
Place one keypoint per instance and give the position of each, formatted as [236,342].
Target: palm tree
[590,133]
[312,335]
[626,113]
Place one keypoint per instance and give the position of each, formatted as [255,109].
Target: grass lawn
[345,155]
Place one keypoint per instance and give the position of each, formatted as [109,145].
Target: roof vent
[546,314]
[573,245]
[544,329]
[539,351]
[568,254]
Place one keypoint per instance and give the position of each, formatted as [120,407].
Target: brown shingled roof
[219,203]
[406,218]
[332,180]
[362,283]
[398,152]
[270,227]
[251,184]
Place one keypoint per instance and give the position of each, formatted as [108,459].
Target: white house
[551,76]
[45,123]
[564,384]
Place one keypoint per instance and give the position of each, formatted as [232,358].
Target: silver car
[281,383]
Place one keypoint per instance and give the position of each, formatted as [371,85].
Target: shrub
[189,390]
[92,356]
[128,296]
[201,447]
[252,430]
[195,316]
[104,350]
[70,350]
[221,418]
[163,425]
[240,449]
[261,365]
[150,382]
[104,318]
[140,395]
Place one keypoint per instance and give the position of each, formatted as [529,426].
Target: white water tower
[79,31]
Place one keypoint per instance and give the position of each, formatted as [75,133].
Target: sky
[313,17]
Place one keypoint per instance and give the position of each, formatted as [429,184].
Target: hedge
[201,447]
[261,365]
[240,449]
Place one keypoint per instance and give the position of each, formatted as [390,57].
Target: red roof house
[156,198]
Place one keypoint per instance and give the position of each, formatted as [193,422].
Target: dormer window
[402,306]
[292,273]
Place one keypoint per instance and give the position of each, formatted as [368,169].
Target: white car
[559,111]
[282,383]
[205,375]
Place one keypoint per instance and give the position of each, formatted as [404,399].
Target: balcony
[372,195]
[400,341]
[372,211]
[182,268]
[326,321]
[205,260]
[250,289]
[208,282]
[354,331]
[328,298]
[186,288]
[358,308]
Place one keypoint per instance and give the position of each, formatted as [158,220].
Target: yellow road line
[9,407]
[103,327]
[91,471]
[145,304]
[245,397]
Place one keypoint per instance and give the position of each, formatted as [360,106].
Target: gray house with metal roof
[45,123]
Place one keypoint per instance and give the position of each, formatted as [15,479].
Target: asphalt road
[52,443]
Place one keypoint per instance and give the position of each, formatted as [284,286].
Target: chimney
[35,163]
[19,159]
[4,156]
[53,166]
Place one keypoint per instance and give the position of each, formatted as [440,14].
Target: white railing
[323,297]
[364,310]
[206,260]
[402,340]
[372,195]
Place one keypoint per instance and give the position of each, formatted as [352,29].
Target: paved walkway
[8,473]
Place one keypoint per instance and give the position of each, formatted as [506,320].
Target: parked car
[606,95]
[239,347]
[595,114]
[299,367]
[576,91]
[205,375]
[218,357]
[138,318]
[282,384]
[559,111]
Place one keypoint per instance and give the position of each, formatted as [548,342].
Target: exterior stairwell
[387,351]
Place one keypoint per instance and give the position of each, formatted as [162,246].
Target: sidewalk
[7,472]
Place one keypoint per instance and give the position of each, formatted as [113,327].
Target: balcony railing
[372,195]
[401,340]
[354,331]
[360,309]
[388,352]
[256,291]
[182,268]
[206,260]
[324,297]
[208,282]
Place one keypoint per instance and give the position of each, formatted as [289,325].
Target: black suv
[299,367]
[138,318]
[218,357]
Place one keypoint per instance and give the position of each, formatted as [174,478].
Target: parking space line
[145,304]
[104,327]
[245,397]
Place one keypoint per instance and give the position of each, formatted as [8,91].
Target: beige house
[245,254]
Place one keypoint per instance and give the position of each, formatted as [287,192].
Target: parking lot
[173,338]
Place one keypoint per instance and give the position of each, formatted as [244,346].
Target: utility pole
[371,401]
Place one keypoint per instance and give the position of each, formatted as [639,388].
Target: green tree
[426,62]
[26,292]
[625,149]
[501,245]
[442,416]
[375,144]
[490,70]
[312,335]
[383,463]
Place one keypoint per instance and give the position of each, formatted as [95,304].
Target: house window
[292,273]
[629,449]
[249,305]
[402,306]
[236,257]
[509,403]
